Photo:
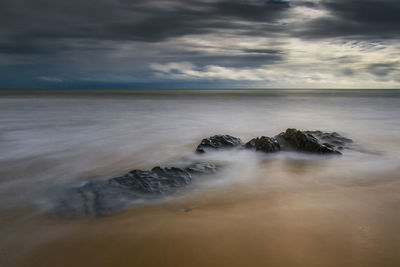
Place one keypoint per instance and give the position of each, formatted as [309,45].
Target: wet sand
[331,225]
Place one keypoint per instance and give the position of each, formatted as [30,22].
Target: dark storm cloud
[268,11]
[25,22]
[98,41]
[356,19]
[31,27]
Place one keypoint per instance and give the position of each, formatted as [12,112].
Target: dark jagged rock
[219,141]
[157,181]
[333,139]
[294,139]
[264,144]
[105,197]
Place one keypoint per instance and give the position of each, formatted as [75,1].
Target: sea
[281,209]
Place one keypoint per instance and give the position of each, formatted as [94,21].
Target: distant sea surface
[288,209]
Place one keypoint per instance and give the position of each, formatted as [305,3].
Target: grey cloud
[263,51]
[346,59]
[356,19]
[347,72]
[245,60]
[267,11]
[45,20]
[25,23]
[102,40]
[383,69]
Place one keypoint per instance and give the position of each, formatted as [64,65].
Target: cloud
[187,70]
[26,23]
[50,79]
[347,72]
[259,42]
[383,69]
[356,19]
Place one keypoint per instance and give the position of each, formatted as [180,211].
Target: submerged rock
[157,181]
[218,142]
[105,197]
[95,199]
[264,144]
[294,139]
[201,168]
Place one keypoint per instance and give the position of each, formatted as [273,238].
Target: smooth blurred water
[48,139]
[52,140]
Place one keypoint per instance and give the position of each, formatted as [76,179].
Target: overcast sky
[200,43]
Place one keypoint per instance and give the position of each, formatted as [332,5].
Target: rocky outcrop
[333,140]
[157,181]
[105,197]
[294,139]
[264,144]
[219,142]
[291,140]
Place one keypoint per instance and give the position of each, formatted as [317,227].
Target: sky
[199,44]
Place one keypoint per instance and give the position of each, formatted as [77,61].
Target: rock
[201,168]
[219,142]
[157,181]
[95,198]
[333,140]
[98,198]
[308,141]
[105,197]
[294,139]
[264,144]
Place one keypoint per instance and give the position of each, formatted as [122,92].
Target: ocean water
[286,209]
